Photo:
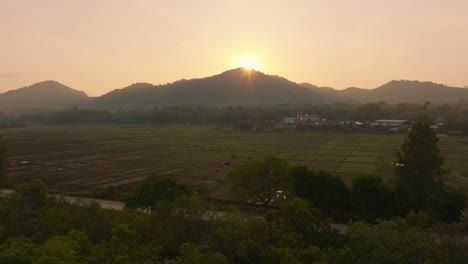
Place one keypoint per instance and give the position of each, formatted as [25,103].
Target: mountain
[402,91]
[417,92]
[233,87]
[44,95]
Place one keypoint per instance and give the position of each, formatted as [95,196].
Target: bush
[327,192]
[154,189]
[371,198]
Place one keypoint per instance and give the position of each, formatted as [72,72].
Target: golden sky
[100,45]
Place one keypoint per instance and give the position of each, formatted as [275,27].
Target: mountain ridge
[46,94]
[232,87]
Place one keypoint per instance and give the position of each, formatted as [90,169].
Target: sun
[248,62]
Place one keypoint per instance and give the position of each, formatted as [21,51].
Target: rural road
[106,204]
[116,205]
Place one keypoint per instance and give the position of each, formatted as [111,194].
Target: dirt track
[106,204]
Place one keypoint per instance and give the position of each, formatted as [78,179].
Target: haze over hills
[402,91]
[232,87]
[43,95]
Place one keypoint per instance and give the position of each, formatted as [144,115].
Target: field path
[106,204]
[119,206]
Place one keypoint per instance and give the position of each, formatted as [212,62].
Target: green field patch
[324,165]
[328,158]
[368,144]
[334,153]
[361,159]
[457,164]
[368,153]
[339,146]
[357,168]
[308,157]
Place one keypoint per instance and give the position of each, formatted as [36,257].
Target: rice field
[86,158]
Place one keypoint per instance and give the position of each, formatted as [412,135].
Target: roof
[391,121]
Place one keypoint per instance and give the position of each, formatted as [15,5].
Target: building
[390,123]
[290,120]
[305,117]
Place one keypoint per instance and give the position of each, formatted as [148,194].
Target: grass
[89,158]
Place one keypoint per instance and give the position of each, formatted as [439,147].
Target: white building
[290,120]
[391,122]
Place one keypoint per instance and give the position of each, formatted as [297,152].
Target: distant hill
[233,87]
[43,95]
[397,92]
[417,92]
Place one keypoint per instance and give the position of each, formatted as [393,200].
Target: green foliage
[240,236]
[286,255]
[182,205]
[260,179]
[419,166]
[69,249]
[455,116]
[371,197]
[195,254]
[371,111]
[32,195]
[295,233]
[92,219]
[132,240]
[326,191]
[17,250]
[81,116]
[420,170]
[420,219]
[300,224]
[154,189]
[395,242]
[450,205]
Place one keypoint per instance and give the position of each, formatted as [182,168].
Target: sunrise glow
[248,62]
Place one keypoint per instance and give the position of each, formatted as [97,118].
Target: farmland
[88,158]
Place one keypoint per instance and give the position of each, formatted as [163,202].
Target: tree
[326,191]
[32,195]
[298,223]
[450,205]
[419,167]
[194,254]
[71,248]
[371,197]
[154,189]
[17,250]
[395,241]
[426,105]
[260,179]
[370,111]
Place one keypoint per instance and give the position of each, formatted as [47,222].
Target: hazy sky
[100,45]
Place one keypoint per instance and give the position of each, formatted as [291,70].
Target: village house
[306,118]
[390,123]
[289,120]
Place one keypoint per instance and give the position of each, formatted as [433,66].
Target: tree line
[455,116]
[37,228]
